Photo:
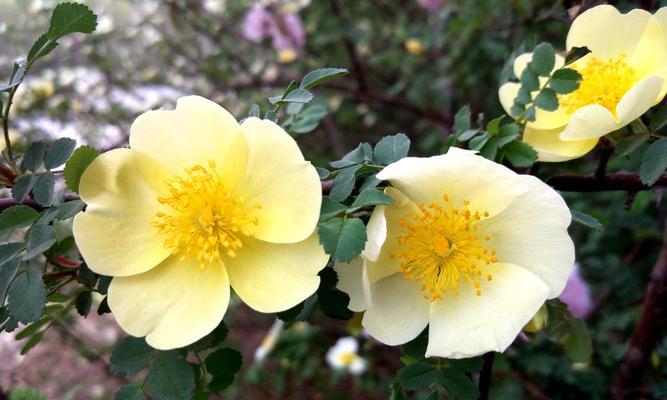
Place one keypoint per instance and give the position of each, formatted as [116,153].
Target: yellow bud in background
[286,56]
[538,322]
[414,46]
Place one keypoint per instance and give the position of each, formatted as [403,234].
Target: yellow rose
[467,247]
[196,204]
[622,77]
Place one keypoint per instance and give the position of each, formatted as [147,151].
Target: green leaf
[69,209]
[517,109]
[171,377]
[586,220]
[462,120]
[224,362]
[392,148]
[575,53]
[478,142]
[290,314]
[34,340]
[458,384]
[26,394]
[469,365]
[547,100]
[271,116]
[103,307]
[213,339]
[523,96]
[361,154]
[59,152]
[32,328]
[343,183]
[38,240]
[334,303]
[130,355]
[417,376]
[14,217]
[544,59]
[654,162]
[342,238]
[220,383]
[70,18]
[322,172]
[520,154]
[328,278]
[27,295]
[33,157]
[493,126]
[254,111]
[295,96]
[577,342]
[22,187]
[294,108]
[530,113]
[7,271]
[103,284]
[86,276]
[371,197]
[80,160]
[131,391]
[43,189]
[319,76]
[659,118]
[565,80]
[529,80]
[83,302]
[9,251]
[629,145]
[330,209]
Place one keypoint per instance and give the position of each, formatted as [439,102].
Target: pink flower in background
[285,30]
[577,295]
[431,5]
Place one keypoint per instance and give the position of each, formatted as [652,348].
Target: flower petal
[468,325]
[589,122]
[196,132]
[114,235]
[650,55]
[353,280]
[272,277]
[279,179]
[532,233]
[384,265]
[608,33]
[506,94]
[173,305]
[399,311]
[642,96]
[487,185]
[376,232]
[550,148]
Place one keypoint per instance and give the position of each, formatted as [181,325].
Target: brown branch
[485,376]
[357,68]
[647,332]
[618,181]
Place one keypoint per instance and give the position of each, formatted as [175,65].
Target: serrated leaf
[458,384]
[523,96]
[343,183]
[77,164]
[290,314]
[547,100]
[392,148]
[34,340]
[271,116]
[328,278]
[69,18]
[59,152]
[27,295]
[130,355]
[170,377]
[14,217]
[38,240]
[319,76]
[131,391]
[322,172]
[32,328]
[520,154]
[575,53]
[586,220]
[213,339]
[462,120]
[469,365]
[83,302]
[330,209]
[33,157]
[294,108]
[334,304]
[22,187]
[529,80]
[371,197]
[565,80]
[417,376]
[224,362]
[296,96]
[9,251]
[654,162]
[544,59]
[43,188]
[254,111]
[343,239]
[68,209]
[7,271]
[577,343]
[659,118]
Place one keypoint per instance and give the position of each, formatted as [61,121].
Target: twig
[646,334]
[351,51]
[607,151]
[485,375]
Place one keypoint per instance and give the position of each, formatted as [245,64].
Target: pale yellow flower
[623,76]
[468,247]
[414,46]
[196,204]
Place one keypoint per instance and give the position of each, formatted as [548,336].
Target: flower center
[347,358]
[203,219]
[604,82]
[442,249]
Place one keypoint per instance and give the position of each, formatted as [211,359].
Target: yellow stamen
[604,82]
[442,249]
[202,219]
[346,359]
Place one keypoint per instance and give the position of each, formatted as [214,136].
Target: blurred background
[413,64]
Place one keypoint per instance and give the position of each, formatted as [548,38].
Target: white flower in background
[269,341]
[343,356]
